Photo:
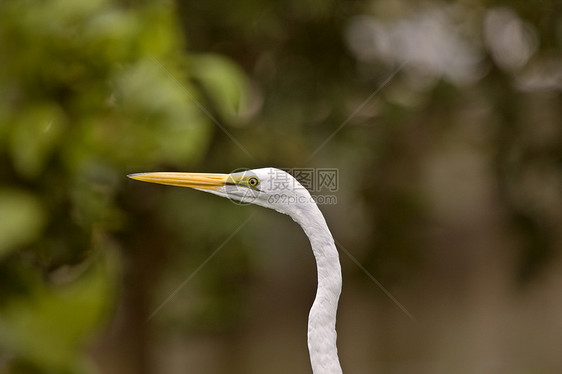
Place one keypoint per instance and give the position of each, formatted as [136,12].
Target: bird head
[268,187]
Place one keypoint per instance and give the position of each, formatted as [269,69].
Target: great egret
[276,189]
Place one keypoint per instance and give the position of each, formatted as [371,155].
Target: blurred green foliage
[89,91]
[22,220]
[45,328]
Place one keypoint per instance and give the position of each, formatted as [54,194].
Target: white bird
[276,189]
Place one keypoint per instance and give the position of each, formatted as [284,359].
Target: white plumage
[276,189]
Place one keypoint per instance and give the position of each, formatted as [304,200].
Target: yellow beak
[206,181]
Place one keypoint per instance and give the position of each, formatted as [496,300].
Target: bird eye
[253,182]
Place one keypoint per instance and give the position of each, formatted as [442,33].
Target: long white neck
[322,318]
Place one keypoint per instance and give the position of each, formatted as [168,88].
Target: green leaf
[22,219]
[224,81]
[48,328]
[34,137]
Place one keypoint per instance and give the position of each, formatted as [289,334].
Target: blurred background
[442,118]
